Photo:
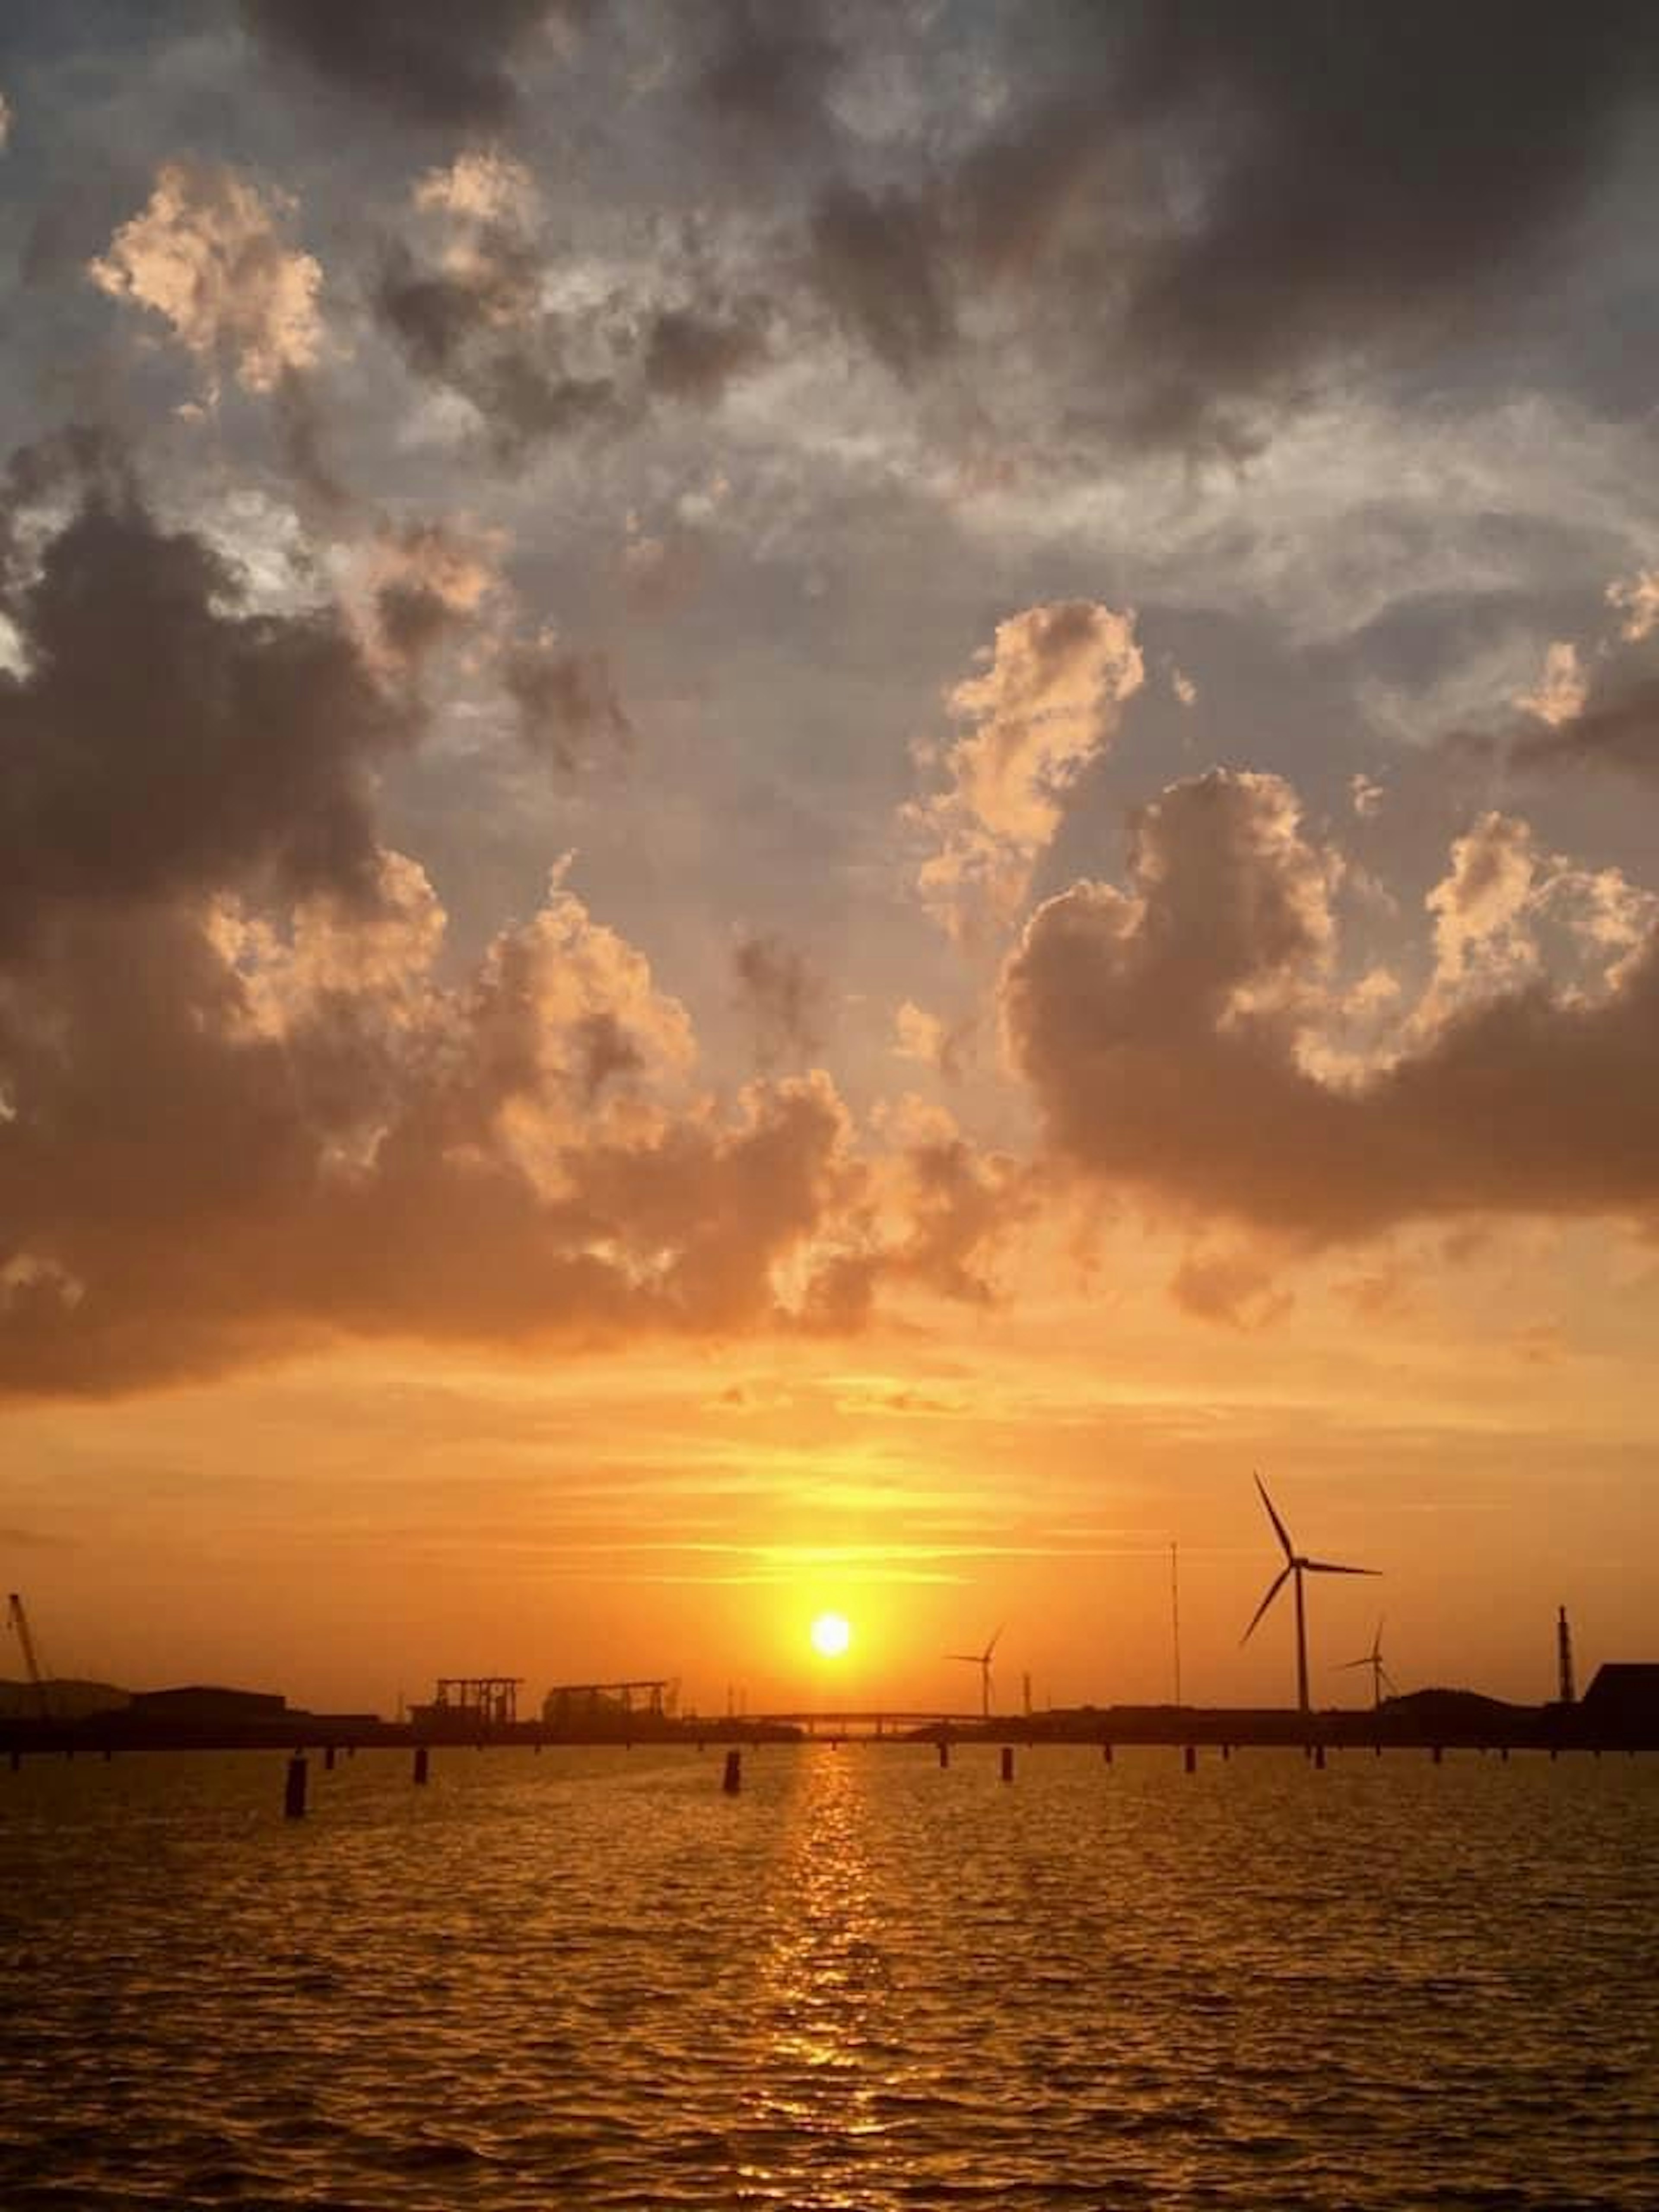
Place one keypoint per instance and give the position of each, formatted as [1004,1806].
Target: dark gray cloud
[1211,205]
[566,701]
[879,262]
[765,69]
[692,354]
[474,324]
[479,333]
[1616,727]
[785,998]
[161,736]
[453,67]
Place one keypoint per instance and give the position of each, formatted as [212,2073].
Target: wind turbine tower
[1296,1565]
[1381,1679]
[982,1661]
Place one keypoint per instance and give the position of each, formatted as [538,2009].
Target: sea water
[590,1978]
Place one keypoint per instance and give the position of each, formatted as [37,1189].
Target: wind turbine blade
[1342,1666]
[991,1645]
[1326,1567]
[1273,1589]
[967,1658]
[1387,1680]
[1281,1530]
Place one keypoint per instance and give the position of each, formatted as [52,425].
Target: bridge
[835,1722]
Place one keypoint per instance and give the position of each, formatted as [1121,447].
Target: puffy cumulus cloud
[480,304]
[1507,910]
[1043,707]
[210,255]
[1480,909]
[1637,600]
[231,1131]
[1616,727]
[160,737]
[1607,716]
[1600,707]
[417,584]
[934,1213]
[466,306]
[434,64]
[1162,1029]
[783,995]
[1561,690]
[942,1045]
[419,587]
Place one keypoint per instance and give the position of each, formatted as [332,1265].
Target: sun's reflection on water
[821,2049]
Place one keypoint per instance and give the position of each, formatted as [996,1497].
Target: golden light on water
[831,1634]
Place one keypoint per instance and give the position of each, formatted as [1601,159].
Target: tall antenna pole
[1564,1658]
[1175,1612]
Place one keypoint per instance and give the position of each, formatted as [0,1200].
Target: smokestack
[1564,1656]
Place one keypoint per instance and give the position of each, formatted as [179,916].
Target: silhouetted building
[467,1705]
[199,1702]
[1623,1701]
[580,1705]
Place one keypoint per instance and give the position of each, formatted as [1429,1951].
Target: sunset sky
[804,805]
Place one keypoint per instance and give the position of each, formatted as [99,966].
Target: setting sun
[831,1634]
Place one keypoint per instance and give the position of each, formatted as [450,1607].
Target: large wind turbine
[982,1661]
[1381,1679]
[1295,1567]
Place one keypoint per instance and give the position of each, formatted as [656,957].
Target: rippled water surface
[587,1979]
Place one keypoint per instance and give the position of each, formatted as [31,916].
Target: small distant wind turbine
[1295,1567]
[1380,1679]
[982,1661]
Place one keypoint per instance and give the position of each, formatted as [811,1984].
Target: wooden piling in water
[732,1780]
[1319,1758]
[422,1757]
[943,1753]
[293,1788]
[1007,1762]
[1106,1754]
[1438,1754]
[1189,1758]
[328,1759]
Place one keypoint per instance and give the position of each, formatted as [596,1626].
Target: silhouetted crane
[17,1618]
